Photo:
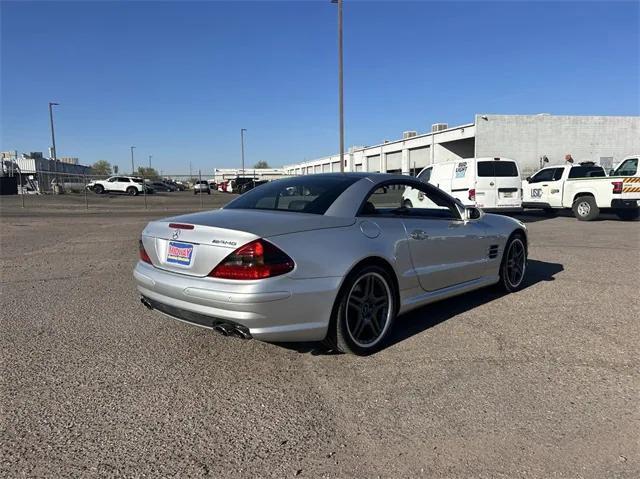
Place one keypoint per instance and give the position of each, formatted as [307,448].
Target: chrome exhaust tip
[241,333]
[221,329]
[146,303]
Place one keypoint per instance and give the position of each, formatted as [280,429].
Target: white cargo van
[487,183]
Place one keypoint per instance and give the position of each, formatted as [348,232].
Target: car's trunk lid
[196,243]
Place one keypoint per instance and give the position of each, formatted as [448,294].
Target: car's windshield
[305,194]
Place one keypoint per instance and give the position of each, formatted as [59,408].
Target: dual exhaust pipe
[226,329]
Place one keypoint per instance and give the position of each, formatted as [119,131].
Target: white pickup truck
[586,189]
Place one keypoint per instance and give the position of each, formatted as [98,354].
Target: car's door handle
[418,235]
[545,185]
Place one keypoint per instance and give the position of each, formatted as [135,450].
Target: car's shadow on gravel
[431,315]
[421,319]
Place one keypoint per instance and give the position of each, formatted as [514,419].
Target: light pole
[340,84]
[150,161]
[53,139]
[133,168]
[242,130]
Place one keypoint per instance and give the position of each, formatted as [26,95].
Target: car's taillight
[256,260]
[143,253]
[617,187]
[472,194]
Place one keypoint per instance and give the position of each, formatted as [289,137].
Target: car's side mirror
[611,172]
[472,213]
[528,179]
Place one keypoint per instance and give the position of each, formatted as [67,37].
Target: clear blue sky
[179,80]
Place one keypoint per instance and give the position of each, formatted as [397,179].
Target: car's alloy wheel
[99,189]
[514,264]
[131,191]
[365,314]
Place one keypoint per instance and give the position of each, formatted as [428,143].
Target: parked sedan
[338,264]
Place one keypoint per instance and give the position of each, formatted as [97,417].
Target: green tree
[261,165]
[101,167]
[146,172]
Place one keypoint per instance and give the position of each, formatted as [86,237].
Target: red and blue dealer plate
[180,253]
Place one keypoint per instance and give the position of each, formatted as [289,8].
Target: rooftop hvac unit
[409,134]
[439,127]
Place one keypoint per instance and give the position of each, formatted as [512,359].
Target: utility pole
[340,85]
[133,168]
[150,161]
[53,139]
[242,130]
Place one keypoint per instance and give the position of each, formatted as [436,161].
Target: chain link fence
[59,192]
[181,192]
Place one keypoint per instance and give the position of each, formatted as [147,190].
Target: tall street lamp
[340,84]
[242,130]
[150,161]
[53,138]
[133,168]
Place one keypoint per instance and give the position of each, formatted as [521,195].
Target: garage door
[419,157]
[394,161]
[374,163]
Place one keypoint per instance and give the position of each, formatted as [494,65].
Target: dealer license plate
[180,253]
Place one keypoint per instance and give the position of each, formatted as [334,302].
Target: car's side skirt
[412,301]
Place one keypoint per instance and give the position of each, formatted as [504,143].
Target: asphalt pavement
[541,383]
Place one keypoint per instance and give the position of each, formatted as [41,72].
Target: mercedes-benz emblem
[175,235]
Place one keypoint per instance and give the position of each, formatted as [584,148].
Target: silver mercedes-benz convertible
[328,257]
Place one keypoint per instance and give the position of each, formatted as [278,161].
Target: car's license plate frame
[180,253]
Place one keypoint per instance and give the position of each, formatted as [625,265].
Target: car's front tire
[99,189]
[365,311]
[514,263]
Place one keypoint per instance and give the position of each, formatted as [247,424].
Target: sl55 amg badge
[224,242]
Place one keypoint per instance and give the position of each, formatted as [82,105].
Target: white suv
[120,184]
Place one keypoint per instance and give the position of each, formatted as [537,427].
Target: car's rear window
[586,172]
[304,194]
[497,168]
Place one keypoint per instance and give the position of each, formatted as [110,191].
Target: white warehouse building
[525,138]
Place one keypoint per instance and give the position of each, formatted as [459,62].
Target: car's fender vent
[493,251]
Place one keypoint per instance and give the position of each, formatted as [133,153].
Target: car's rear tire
[99,189]
[132,191]
[364,313]
[585,208]
[514,263]
[628,215]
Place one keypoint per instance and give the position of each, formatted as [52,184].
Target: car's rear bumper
[276,309]
[536,205]
[626,203]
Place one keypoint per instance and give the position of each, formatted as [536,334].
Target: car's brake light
[143,254]
[472,194]
[617,187]
[256,260]
[180,226]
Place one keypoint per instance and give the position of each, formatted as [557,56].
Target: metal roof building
[524,138]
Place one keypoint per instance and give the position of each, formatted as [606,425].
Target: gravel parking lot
[542,383]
